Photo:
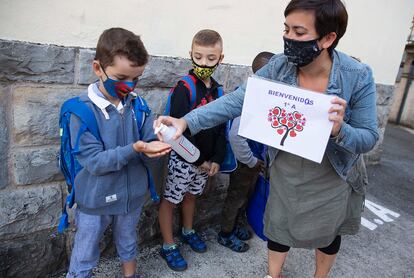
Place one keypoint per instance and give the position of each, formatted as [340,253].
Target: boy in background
[250,157]
[187,180]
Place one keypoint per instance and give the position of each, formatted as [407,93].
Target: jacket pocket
[357,177]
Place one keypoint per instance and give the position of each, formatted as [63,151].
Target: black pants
[331,249]
[242,182]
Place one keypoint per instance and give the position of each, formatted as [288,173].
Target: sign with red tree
[286,123]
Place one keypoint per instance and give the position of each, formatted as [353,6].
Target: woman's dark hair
[330,16]
[118,41]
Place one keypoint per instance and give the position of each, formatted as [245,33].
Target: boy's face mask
[116,88]
[204,72]
[301,53]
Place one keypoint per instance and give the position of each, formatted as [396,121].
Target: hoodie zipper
[124,143]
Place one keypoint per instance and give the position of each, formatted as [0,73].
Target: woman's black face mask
[301,53]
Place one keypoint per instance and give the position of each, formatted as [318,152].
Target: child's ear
[221,57]
[97,69]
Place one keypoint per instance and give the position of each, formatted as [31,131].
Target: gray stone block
[156,98]
[32,166]
[237,76]
[385,94]
[4,133]
[39,254]
[22,61]
[27,210]
[164,72]
[36,113]
[86,74]
[221,75]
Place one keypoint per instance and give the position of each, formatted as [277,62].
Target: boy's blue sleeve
[240,146]
[147,131]
[92,155]
[147,135]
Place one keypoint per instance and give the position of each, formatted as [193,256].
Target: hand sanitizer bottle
[181,145]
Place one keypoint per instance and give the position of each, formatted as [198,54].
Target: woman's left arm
[359,133]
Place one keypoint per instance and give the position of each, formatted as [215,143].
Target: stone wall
[34,81]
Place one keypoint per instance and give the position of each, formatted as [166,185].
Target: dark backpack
[230,162]
[68,162]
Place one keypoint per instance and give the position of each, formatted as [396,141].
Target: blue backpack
[256,205]
[68,162]
[229,163]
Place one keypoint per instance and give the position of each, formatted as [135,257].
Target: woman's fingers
[179,124]
[336,114]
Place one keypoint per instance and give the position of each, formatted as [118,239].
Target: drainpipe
[410,77]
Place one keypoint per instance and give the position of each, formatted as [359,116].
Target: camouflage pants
[242,182]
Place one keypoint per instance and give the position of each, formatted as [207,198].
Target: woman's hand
[152,149]
[179,124]
[215,167]
[336,114]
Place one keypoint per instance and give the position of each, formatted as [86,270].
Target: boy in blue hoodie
[111,187]
[250,162]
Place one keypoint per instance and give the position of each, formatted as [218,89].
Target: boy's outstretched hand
[179,124]
[152,149]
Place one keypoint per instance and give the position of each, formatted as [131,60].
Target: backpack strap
[88,122]
[189,82]
[220,91]
[142,111]
[84,113]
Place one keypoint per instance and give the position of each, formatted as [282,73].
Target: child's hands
[152,149]
[215,167]
[260,166]
[205,166]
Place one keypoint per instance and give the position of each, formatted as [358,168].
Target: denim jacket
[349,79]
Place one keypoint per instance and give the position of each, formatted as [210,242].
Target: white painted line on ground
[380,211]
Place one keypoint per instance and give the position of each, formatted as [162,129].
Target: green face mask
[204,72]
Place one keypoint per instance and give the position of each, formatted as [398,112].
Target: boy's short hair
[118,41]
[330,16]
[261,59]
[207,37]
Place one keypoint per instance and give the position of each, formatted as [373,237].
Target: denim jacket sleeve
[359,131]
[223,109]
[217,112]
[240,147]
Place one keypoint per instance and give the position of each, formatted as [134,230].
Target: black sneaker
[233,242]
[242,232]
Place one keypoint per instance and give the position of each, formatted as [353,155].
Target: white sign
[285,117]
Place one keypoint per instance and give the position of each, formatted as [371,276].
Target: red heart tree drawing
[286,123]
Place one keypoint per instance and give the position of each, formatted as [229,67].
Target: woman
[311,205]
